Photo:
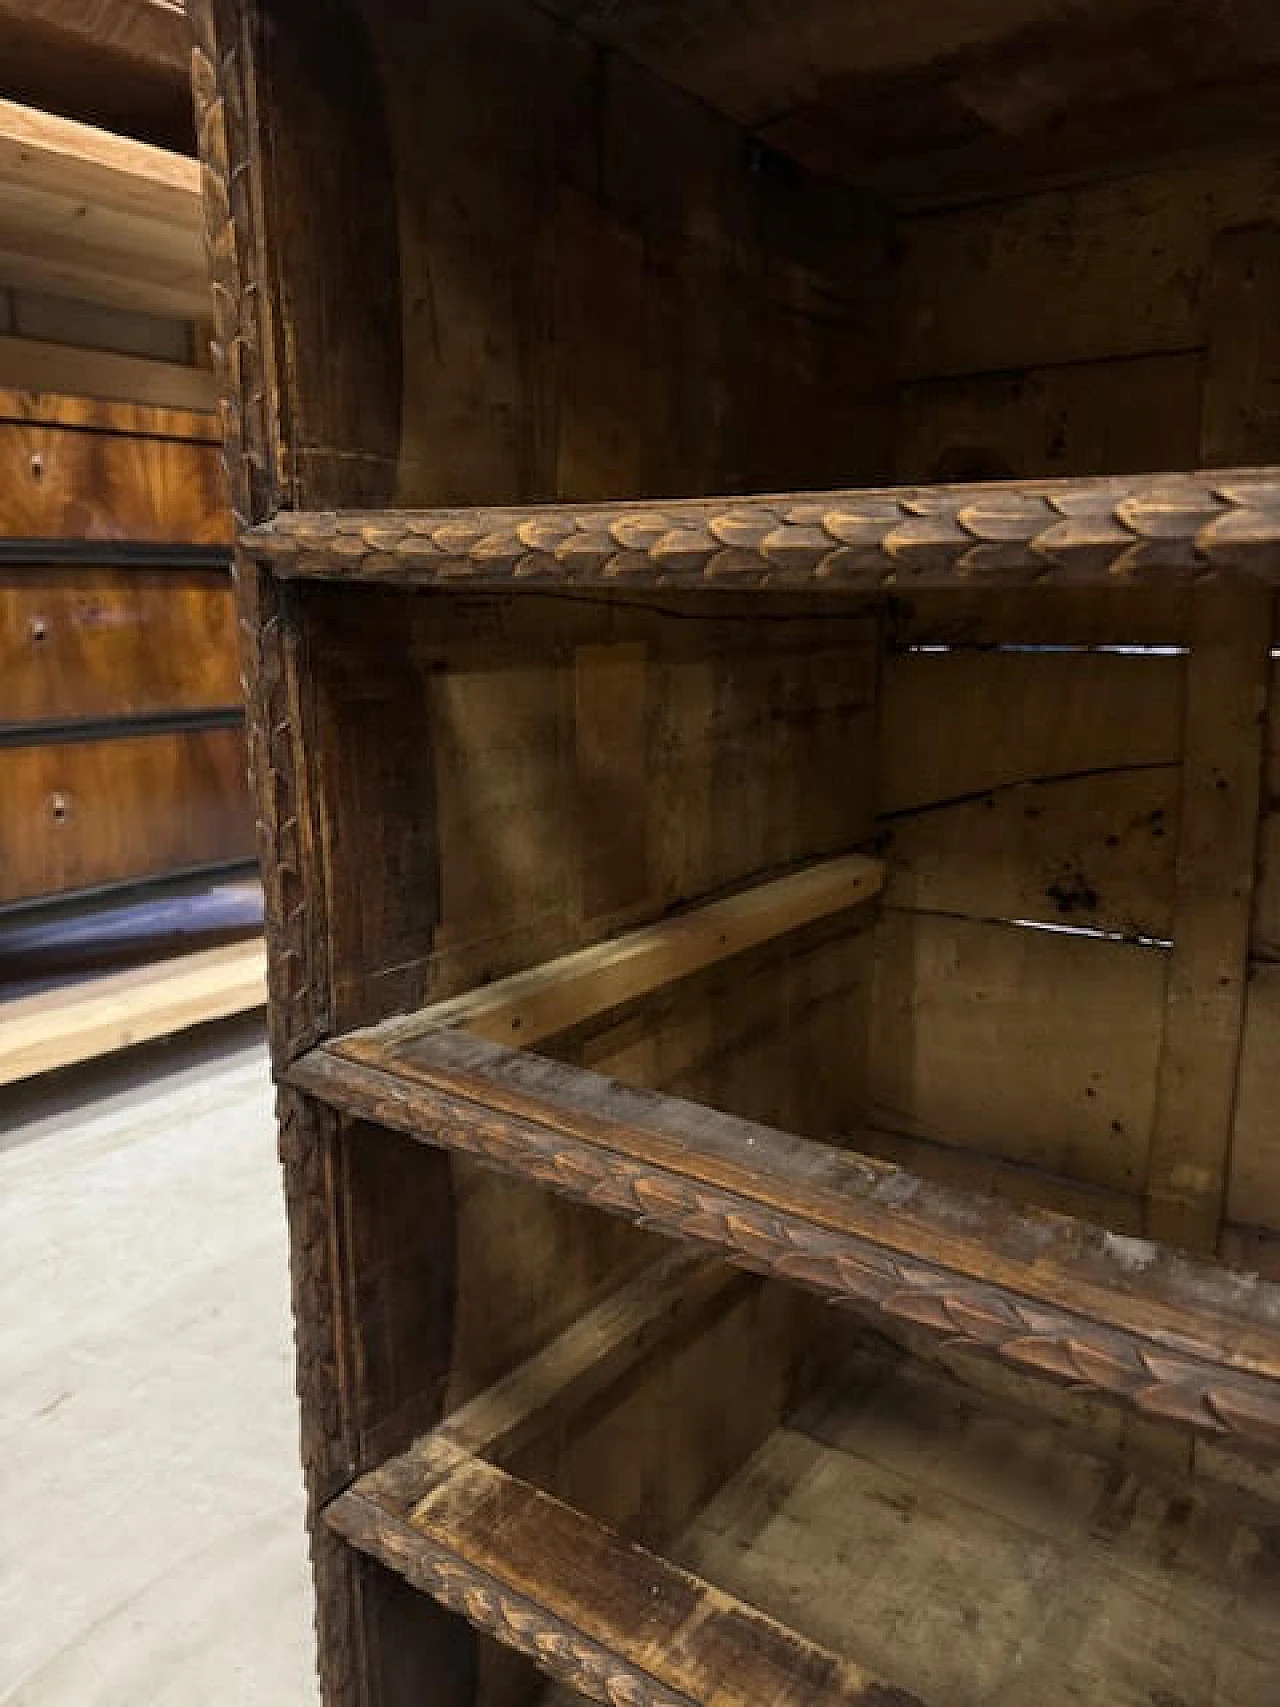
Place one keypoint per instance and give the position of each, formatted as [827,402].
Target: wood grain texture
[1177,526]
[611,1619]
[1113,269]
[752,286]
[1253,1198]
[59,482]
[1048,1295]
[59,156]
[94,643]
[150,31]
[1014,1551]
[117,1010]
[99,217]
[530,1007]
[1228,677]
[92,414]
[1068,1026]
[961,100]
[1031,783]
[31,364]
[1241,413]
[81,814]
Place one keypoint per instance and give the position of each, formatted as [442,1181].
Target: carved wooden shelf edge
[617,1623]
[1061,532]
[1041,1293]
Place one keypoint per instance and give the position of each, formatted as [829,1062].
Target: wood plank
[1033,784]
[73,1023]
[149,32]
[668,1302]
[1185,1342]
[1253,1197]
[1017,1552]
[99,415]
[950,733]
[95,643]
[50,261]
[529,1007]
[1265,944]
[971,1170]
[1241,416]
[58,156]
[611,688]
[592,1609]
[1132,615]
[1116,417]
[1115,269]
[80,814]
[98,217]
[1030,1045]
[1229,674]
[26,365]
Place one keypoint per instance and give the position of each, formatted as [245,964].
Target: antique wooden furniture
[775,998]
[121,723]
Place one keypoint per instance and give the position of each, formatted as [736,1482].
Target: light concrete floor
[151,1520]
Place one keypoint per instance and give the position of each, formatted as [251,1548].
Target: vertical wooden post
[1217,850]
[1227,684]
[1240,418]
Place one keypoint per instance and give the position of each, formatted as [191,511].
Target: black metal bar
[64,730]
[112,554]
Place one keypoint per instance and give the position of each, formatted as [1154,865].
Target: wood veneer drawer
[95,643]
[77,815]
[61,481]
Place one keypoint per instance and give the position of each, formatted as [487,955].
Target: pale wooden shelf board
[77,1022]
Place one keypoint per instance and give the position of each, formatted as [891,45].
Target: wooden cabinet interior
[845,882]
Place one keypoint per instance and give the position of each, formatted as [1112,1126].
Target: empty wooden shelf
[959,1542]
[757,542]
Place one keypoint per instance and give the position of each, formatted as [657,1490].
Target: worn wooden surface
[1175,527]
[99,217]
[750,282]
[1095,328]
[1032,795]
[528,1007]
[1029,1290]
[453,789]
[1004,1556]
[961,101]
[1227,682]
[443,723]
[607,1617]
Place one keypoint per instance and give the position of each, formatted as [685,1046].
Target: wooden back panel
[554,275]
[1071,953]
